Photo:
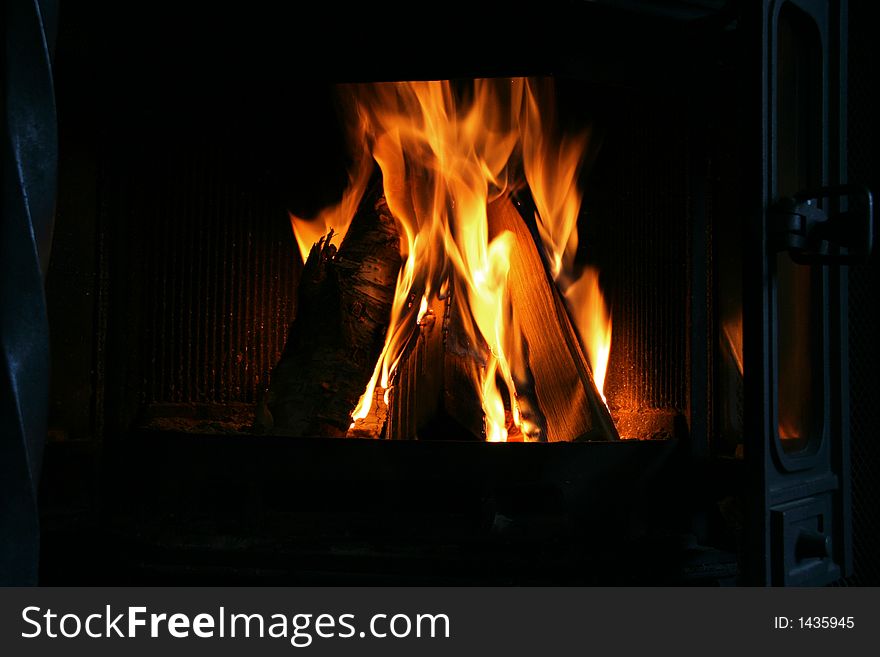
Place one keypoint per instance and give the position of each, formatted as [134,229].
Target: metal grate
[221,269]
[637,232]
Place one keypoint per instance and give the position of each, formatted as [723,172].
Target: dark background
[864,166]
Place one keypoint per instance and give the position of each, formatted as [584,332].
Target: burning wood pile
[440,297]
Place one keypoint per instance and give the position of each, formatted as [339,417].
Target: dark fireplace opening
[187,141]
[207,267]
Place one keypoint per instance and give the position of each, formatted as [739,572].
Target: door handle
[812,236]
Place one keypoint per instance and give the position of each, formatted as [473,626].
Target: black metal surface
[812,235]
[29,159]
[217,508]
[863,141]
[806,488]
[603,41]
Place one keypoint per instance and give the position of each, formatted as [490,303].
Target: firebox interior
[180,259]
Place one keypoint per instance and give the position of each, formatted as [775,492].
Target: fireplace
[667,373]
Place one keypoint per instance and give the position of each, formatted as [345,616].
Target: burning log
[506,362]
[345,298]
[434,393]
[561,378]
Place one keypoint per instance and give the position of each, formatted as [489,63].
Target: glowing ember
[788,431]
[445,153]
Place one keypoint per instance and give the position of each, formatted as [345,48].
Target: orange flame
[551,170]
[445,152]
[338,217]
[593,323]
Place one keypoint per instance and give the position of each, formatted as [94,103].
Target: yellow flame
[445,151]
[441,157]
[551,170]
[338,217]
[593,323]
[423,308]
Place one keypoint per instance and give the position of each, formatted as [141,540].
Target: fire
[446,151]
[551,170]
[338,217]
[593,323]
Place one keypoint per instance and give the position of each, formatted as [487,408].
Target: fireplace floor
[184,508]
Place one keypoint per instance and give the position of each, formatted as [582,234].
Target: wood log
[434,395]
[560,378]
[344,306]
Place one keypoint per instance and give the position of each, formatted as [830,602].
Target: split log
[433,396]
[433,393]
[343,310]
[560,375]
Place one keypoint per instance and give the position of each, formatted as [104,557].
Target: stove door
[800,243]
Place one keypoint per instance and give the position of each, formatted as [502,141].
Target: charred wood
[343,310]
